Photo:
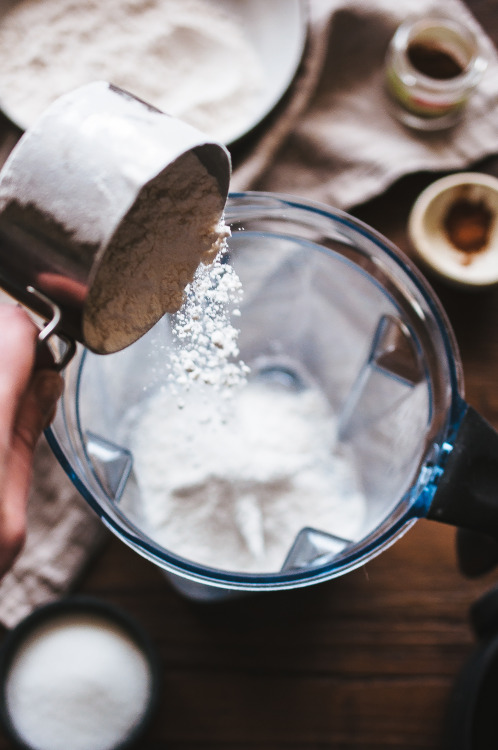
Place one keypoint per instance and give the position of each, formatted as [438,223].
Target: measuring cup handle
[50,329]
[467,491]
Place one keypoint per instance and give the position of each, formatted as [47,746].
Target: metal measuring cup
[67,187]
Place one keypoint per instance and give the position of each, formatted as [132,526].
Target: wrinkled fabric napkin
[63,534]
[334,139]
[331,139]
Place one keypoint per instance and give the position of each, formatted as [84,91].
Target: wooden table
[365,662]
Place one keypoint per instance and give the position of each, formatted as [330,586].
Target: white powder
[189,58]
[205,342]
[77,683]
[232,488]
[175,224]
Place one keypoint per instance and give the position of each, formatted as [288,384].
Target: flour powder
[174,225]
[231,488]
[205,347]
[189,58]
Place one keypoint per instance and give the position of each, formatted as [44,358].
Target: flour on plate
[189,58]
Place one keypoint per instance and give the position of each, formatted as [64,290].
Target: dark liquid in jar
[433,61]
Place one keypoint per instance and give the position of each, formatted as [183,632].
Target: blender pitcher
[331,306]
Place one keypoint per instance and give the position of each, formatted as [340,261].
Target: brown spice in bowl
[467,225]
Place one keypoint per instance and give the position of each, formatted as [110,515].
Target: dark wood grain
[365,662]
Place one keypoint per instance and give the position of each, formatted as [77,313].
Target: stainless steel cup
[67,187]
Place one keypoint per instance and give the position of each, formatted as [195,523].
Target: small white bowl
[430,238]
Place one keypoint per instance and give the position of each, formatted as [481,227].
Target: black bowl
[84,605]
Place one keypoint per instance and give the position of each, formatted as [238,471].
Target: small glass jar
[432,66]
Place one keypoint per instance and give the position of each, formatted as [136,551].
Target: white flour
[205,343]
[232,491]
[155,253]
[189,58]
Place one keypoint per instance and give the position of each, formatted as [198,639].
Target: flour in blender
[232,488]
[229,464]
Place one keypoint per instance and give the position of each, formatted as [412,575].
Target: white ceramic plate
[276,31]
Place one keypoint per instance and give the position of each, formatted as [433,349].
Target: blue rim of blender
[417,507]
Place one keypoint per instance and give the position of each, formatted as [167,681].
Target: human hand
[28,400]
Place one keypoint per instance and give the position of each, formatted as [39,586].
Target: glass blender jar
[329,305]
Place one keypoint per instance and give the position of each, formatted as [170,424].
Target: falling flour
[175,224]
[205,347]
[189,58]
[230,489]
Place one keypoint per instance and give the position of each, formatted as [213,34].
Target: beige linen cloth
[331,139]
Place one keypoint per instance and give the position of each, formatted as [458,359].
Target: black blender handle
[477,553]
[467,491]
